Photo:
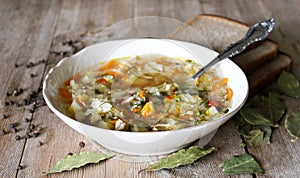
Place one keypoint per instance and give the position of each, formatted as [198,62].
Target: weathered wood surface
[28,33]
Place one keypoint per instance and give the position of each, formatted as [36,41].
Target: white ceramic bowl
[144,143]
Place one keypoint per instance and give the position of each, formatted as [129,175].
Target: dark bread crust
[261,62]
[268,73]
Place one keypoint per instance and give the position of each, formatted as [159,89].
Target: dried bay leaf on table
[288,84]
[242,164]
[254,138]
[182,157]
[267,133]
[254,117]
[254,135]
[292,124]
[77,160]
[268,106]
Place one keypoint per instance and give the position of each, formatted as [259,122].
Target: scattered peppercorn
[70,153]
[5,116]
[12,125]
[31,110]
[81,144]
[15,130]
[28,135]
[21,90]
[27,120]
[11,103]
[8,94]
[35,135]
[40,143]
[20,167]
[42,61]
[33,75]
[25,102]
[31,126]
[17,137]
[2,132]
[29,65]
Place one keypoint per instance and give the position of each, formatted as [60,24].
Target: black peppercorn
[17,137]
[31,110]
[27,120]
[28,135]
[70,153]
[36,134]
[12,125]
[32,126]
[15,130]
[25,102]
[2,132]
[30,64]
[81,144]
[33,75]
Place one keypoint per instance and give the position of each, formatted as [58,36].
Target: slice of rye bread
[268,73]
[219,32]
[261,61]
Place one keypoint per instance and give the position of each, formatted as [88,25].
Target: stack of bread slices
[261,62]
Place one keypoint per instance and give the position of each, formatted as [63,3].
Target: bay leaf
[239,120]
[182,157]
[78,160]
[242,164]
[288,84]
[253,117]
[270,105]
[292,124]
[254,138]
[276,107]
[267,133]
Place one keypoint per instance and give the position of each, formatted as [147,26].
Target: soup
[145,93]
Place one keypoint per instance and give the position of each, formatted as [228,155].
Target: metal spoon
[257,32]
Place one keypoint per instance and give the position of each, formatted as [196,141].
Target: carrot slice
[142,93]
[107,66]
[76,77]
[147,110]
[112,73]
[229,93]
[66,95]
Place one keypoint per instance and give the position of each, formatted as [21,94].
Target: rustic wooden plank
[228,143]
[86,16]
[80,15]
[278,158]
[59,139]
[212,7]
[287,16]
[24,39]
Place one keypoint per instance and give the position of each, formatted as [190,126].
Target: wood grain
[33,30]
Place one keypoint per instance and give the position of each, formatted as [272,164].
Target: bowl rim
[209,123]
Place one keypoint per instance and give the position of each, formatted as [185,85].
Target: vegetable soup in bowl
[135,97]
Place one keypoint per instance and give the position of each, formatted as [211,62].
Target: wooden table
[28,28]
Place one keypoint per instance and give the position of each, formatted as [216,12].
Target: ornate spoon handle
[257,32]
